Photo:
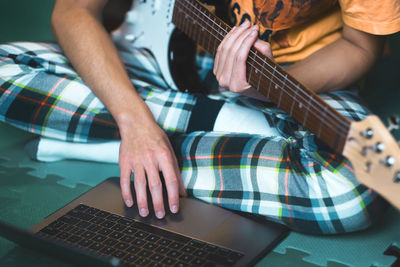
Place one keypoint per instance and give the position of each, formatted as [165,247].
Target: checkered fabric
[291,178]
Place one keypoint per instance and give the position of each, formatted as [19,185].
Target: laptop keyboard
[134,242]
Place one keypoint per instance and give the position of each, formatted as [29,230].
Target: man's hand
[146,152]
[231,57]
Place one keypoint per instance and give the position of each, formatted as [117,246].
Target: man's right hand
[146,151]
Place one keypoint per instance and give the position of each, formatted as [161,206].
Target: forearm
[92,53]
[340,64]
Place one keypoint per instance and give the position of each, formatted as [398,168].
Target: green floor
[31,190]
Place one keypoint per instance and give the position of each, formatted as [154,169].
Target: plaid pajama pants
[291,178]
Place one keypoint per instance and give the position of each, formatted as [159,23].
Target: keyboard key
[97,220]
[133,249]
[92,211]
[122,245]
[82,207]
[138,242]
[118,227]
[150,246]
[141,234]
[130,259]
[142,261]
[200,253]
[176,245]
[127,238]
[63,236]
[152,238]
[110,242]
[105,231]
[174,254]
[197,261]
[85,242]
[74,239]
[119,254]
[96,246]
[164,242]
[156,257]
[99,238]
[107,250]
[125,221]
[197,243]
[129,231]
[162,250]
[210,248]
[88,234]
[145,253]
[181,264]
[168,261]
[50,231]
[69,219]
[108,224]
[94,227]
[188,249]
[186,258]
[103,214]
[114,217]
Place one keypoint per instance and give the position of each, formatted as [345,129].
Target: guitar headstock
[375,156]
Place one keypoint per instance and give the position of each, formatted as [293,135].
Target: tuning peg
[394,122]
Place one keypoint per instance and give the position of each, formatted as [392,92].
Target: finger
[141,190]
[182,190]
[226,53]
[264,48]
[171,182]
[155,187]
[125,182]
[239,81]
[218,52]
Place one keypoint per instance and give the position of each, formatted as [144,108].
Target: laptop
[97,229]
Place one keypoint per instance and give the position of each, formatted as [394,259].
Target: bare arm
[341,63]
[334,67]
[145,149]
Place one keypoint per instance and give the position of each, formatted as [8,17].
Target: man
[288,178]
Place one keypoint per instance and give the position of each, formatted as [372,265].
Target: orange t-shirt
[298,28]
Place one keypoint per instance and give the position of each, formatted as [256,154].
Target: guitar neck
[266,76]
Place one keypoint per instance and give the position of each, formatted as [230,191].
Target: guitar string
[341,123]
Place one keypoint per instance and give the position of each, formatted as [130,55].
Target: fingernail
[246,23]
[255,27]
[160,214]
[143,212]
[253,33]
[174,209]
[128,202]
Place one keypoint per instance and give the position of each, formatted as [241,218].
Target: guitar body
[149,25]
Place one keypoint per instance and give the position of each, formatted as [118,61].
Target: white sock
[235,118]
[46,149]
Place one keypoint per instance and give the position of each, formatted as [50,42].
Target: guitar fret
[294,101]
[250,67]
[306,113]
[282,89]
[260,76]
[271,81]
[320,125]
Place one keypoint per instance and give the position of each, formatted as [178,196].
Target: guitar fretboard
[267,77]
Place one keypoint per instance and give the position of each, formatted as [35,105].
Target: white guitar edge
[149,25]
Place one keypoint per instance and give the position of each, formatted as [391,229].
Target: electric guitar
[370,147]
